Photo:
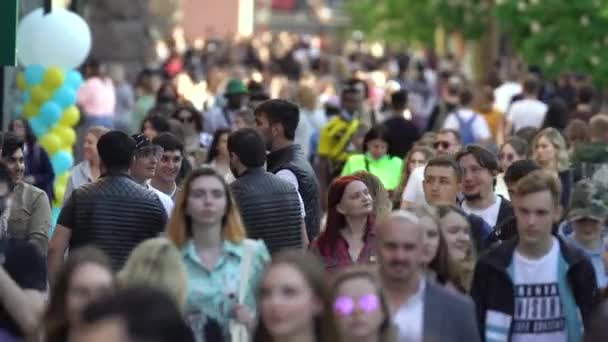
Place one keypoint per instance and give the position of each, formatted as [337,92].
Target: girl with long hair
[88,170]
[550,151]
[85,276]
[348,237]
[218,156]
[157,263]
[294,301]
[360,307]
[456,230]
[207,227]
[418,156]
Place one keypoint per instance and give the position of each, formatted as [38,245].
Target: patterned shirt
[212,294]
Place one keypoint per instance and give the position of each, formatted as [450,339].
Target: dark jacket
[114,214]
[504,229]
[270,209]
[493,290]
[38,165]
[292,159]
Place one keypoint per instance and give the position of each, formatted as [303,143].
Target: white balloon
[61,38]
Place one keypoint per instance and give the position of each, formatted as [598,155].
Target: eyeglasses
[185,120]
[149,152]
[345,306]
[508,156]
[443,144]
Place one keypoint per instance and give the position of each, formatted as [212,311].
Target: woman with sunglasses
[294,301]
[514,149]
[360,308]
[376,160]
[195,140]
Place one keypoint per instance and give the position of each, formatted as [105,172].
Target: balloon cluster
[49,96]
[50,46]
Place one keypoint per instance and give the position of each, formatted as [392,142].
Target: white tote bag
[238,332]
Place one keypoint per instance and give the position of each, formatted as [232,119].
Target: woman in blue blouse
[206,225]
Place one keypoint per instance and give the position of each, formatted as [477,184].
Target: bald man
[422,310]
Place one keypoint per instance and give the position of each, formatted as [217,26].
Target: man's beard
[472,197]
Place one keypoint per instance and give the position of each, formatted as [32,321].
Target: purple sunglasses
[346,305]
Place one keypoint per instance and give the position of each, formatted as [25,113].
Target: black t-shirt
[402,134]
[27,267]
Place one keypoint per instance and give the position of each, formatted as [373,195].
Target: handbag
[238,332]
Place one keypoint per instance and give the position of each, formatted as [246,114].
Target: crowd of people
[279,200]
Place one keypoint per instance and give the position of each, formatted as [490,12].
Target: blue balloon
[62,161]
[65,96]
[38,127]
[25,97]
[55,215]
[50,113]
[73,79]
[34,74]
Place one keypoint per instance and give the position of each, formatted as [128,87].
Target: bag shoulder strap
[245,269]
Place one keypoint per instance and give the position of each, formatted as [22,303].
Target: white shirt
[538,314]
[527,113]
[504,94]
[489,214]
[414,189]
[409,319]
[166,201]
[480,128]
[290,177]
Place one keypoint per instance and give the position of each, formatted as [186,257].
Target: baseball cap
[587,202]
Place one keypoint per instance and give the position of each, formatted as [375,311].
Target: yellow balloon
[21,82]
[30,110]
[50,142]
[59,191]
[67,136]
[58,203]
[40,94]
[70,117]
[53,78]
[63,178]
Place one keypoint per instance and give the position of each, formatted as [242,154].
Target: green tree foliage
[555,34]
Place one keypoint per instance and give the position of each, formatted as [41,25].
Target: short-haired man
[30,209]
[169,165]
[144,166]
[270,206]
[276,122]
[537,287]
[447,143]
[133,314]
[473,128]
[114,213]
[527,112]
[480,167]
[598,129]
[422,310]
[507,229]
[402,132]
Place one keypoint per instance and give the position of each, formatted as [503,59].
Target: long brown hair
[55,322]
[387,331]
[179,229]
[312,270]
[428,153]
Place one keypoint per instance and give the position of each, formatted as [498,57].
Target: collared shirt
[409,319]
[212,294]
[340,257]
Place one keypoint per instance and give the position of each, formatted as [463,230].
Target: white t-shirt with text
[539,312]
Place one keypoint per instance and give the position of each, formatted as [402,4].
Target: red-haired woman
[348,235]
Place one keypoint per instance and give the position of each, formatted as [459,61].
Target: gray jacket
[448,316]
